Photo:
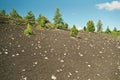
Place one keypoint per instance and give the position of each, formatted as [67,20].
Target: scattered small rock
[23,70]
[22,50]
[17,54]
[98,74]
[38,42]
[89,79]
[65,54]
[19,46]
[62,61]
[13,55]
[89,65]
[6,52]
[53,77]
[12,38]
[100,52]
[76,71]
[36,63]
[45,51]
[46,57]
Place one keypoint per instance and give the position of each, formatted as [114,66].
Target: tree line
[42,22]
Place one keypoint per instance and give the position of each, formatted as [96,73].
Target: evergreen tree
[90,26]
[28,30]
[14,14]
[84,28]
[115,29]
[65,26]
[108,30]
[74,31]
[99,26]
[3,13]
[42,21]
[15,18]
[30,18]
[58,21]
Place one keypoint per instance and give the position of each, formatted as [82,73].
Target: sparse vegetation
[28,30]
[99,26]
[108,30]
[30,18]
[74,31]
[90,26]
[43,21]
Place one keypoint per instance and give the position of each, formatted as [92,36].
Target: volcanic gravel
[55,55]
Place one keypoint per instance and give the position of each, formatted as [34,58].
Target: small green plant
[74,31]
[28,30]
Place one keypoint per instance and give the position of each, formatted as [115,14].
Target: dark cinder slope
[54,55]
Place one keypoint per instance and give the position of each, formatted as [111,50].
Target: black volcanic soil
[54,55]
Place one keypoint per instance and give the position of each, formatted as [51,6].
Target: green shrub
[90,26]
[107,30]
[74,31]
[28,30]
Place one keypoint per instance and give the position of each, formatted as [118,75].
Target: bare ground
[54,55]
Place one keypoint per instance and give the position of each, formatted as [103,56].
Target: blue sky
[76,12]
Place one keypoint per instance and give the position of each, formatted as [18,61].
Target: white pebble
[100,52]
[98,74]
[38,41]
[25,78]
[35,63]
[23,70]
[91,45]
[12,38]
[70,73]
[6,52]
[53,77]
[65,54]
[18,46]
[22,50]
[13,55]
[39,46]
[46,57]
[81,55]
[76,71]
[89,65]
[118,47]
[34,53]
[61,60]
[89,79]
[17,54]
[45,51]
[32,44]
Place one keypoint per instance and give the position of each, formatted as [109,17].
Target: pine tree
[14,14]
[108,30]
[42,21]
[58,21]
[90,26]
[99,26]
[65,26]
[28,30]
[30,18]
[74,31]
[115,29]
[3,13]
[84,28]
[14,17]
